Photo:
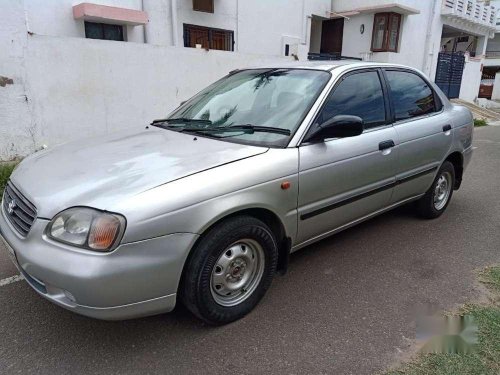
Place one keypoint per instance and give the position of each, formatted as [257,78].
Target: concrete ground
[346,306]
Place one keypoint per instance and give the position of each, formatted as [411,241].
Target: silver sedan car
[206,205]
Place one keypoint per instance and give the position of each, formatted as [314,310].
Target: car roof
[323,65]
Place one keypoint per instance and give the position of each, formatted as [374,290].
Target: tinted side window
[411,95]
[360,95]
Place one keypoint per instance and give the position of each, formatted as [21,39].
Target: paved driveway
[345,307]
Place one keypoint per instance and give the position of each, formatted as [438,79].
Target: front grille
[18,210]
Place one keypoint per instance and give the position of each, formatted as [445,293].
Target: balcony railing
[493,54]
[474,11]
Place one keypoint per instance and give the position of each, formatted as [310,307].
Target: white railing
[475,11]
[493,54]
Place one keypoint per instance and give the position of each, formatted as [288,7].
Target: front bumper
[137,279]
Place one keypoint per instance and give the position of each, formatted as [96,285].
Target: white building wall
[471,80]
[97,86]
[355,44]
[346,5]
[65,86]
[316,32]
[92,94]
[55,18]
[224,17]
[280,22]
[260,26]
[496,88]
[420,39]
[413,38]
[16,130]
[493,52]
[494,44]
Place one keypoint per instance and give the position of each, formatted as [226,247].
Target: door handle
[386,144]
[446,128]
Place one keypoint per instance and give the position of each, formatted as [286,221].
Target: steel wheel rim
[442,190]
[237,272]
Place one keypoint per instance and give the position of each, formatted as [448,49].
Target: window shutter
[379,32]
[386,32]
[394,24]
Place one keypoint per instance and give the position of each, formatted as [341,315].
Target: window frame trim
[385,39]
[210,30]
[437,99]
[341,79]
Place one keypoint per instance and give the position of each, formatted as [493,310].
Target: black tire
[426,207]
[196,290]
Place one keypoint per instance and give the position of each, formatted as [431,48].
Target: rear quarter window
[411,95]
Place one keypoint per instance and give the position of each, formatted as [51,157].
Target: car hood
[99,172]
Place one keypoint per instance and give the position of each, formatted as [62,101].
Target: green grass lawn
[478,122]
[5,171]
[485,359]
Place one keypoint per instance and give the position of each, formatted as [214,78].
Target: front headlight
[87,228]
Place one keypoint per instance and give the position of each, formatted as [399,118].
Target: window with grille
[203,5]
[103,31]
[208,38]
[386,32]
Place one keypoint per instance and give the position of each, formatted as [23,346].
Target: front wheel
[437,198]
[230,270]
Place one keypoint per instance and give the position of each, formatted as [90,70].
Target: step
[477,111]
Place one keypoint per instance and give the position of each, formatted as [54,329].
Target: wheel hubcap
[237,272]
[442,191]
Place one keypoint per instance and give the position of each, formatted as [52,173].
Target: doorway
[332,34]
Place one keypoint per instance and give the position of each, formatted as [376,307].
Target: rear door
[423,130]
[344,179]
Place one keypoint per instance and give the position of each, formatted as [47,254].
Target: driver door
[345,179]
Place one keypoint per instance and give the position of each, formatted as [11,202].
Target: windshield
[259,106]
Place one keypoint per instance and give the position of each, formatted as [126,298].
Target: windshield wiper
[248,128]
[182,120]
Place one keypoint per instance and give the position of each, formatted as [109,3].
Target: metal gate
[450,69]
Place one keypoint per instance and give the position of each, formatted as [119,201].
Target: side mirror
[341,126]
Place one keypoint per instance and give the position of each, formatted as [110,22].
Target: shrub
[480,122]
[5,172]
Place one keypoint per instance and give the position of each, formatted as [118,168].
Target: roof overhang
[107,14]
[469,25]
[393,7]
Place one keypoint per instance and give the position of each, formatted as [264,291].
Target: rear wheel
[437,198]
[230,270]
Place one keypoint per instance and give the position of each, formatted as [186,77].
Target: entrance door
[331,36]
[449,73]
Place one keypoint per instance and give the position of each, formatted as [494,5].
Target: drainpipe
[305,24]
[175,36]
[237,25]
[144,26]
[429,53]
